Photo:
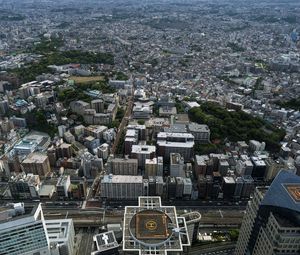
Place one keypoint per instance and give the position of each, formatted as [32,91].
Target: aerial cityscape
[140,127]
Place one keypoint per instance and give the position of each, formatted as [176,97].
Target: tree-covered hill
[236,125]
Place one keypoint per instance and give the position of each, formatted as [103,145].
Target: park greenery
[204,149]
[52,56]
[47,46]
[141,122]
[119,116]
[291,104]
[70,94]
[236,126]
[78,92]
[37,120]
[179,106]
[233,234]
[121,76]
[235,47]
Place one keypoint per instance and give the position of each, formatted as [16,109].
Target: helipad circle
[151,227]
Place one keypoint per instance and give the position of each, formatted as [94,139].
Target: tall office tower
[23,231]
[271,225]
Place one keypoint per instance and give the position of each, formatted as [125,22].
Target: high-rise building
[228,187]
[187,187]
[182,143]
[141,131]
[239,183]
[91,165]
[248,186]
[98,105]
[63,185]
[201,165]
[141,153]
[24,187]
[151,167]
[244,166]
[179,187]
[123,166]
[171,187]
[19,122]
[51,153]
[205,186]
[122,187]
[271,225]
[61,130]
[23,231]
[177,165]
[64,151]
[259,168]
[150,227]
[200,132]
[4,106]
[37,164]
[223,167]
[95,131]
[61,235]
[160,166]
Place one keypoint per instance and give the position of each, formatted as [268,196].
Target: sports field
[88,79]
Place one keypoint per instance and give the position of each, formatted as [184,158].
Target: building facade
[23,232]
[271,225]
[122,187]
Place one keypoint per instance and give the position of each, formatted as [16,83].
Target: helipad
[151,224]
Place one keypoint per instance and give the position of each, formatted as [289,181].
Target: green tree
[141,122]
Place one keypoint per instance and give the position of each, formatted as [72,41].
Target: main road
[91,217]
[123,124]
